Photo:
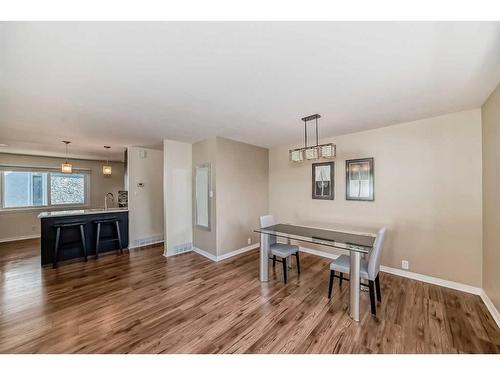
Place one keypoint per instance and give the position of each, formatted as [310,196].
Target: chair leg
[284,268]
[56,248]
[377,286]
[341,278]
[298,262]
[330,287]
[119,236]
[371,287]
[274,261]
[98,234]
[84,246]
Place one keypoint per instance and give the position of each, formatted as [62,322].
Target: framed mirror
[202,196]
[359,179]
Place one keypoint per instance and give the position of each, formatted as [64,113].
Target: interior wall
[428,193]
[491,199]
[145,166]
[177,165]
[242,181]
[205,152]
[22,224]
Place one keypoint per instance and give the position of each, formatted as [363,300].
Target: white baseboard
[216,258]
[206,254]
[20,238]
[408,274]
[433,280]
[238,251]
[491,307]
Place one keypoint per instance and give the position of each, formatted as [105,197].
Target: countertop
[91,211]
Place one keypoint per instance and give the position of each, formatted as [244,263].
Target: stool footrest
[108,240]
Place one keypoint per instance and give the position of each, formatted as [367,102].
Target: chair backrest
[376,255]
[267,221]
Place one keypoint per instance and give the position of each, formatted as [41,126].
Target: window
[67,188]
[31,189]
[25,189]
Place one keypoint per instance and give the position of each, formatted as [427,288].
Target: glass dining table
[356,240]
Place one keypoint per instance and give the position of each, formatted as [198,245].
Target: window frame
[49,205]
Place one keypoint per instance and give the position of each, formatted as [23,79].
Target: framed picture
[359,179]
[322,180]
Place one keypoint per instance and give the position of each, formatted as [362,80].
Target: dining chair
[369,270]
[279,250]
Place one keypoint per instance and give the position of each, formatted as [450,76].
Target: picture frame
[323,180]
[359,178]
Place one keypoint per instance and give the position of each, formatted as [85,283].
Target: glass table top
[332,235]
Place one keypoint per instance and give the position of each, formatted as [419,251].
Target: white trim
[219,258]
[205,254]
[410,275]
[491,307]
[20,238]
[433,280]
[238,251]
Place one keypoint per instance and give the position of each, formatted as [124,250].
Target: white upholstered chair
[279,250]
[368,270]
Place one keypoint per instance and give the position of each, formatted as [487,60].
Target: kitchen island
[70,244]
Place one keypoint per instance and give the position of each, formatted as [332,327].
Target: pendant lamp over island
[316,152]
[106,169]
[66,167]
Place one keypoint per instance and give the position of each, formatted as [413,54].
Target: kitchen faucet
[106,200]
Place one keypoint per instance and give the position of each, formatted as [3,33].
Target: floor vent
[147,241]
[182,248]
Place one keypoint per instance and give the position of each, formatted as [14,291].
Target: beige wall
[146,202]
[205,152]
[242,193]
[427,193]
[239,179]
[491,199]
[16,224]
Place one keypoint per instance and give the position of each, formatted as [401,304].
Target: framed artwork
[359,179]
[323,180]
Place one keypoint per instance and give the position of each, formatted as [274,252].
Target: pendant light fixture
[106,169]
[323,151]
[66,167]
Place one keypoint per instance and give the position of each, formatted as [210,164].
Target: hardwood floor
[142,302]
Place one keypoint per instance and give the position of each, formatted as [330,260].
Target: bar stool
[114,221]
[59,228]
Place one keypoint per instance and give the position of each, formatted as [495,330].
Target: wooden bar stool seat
[59,228]
[113,221]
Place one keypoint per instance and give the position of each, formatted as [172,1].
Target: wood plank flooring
[142,302]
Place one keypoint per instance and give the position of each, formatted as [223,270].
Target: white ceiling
[134,83]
